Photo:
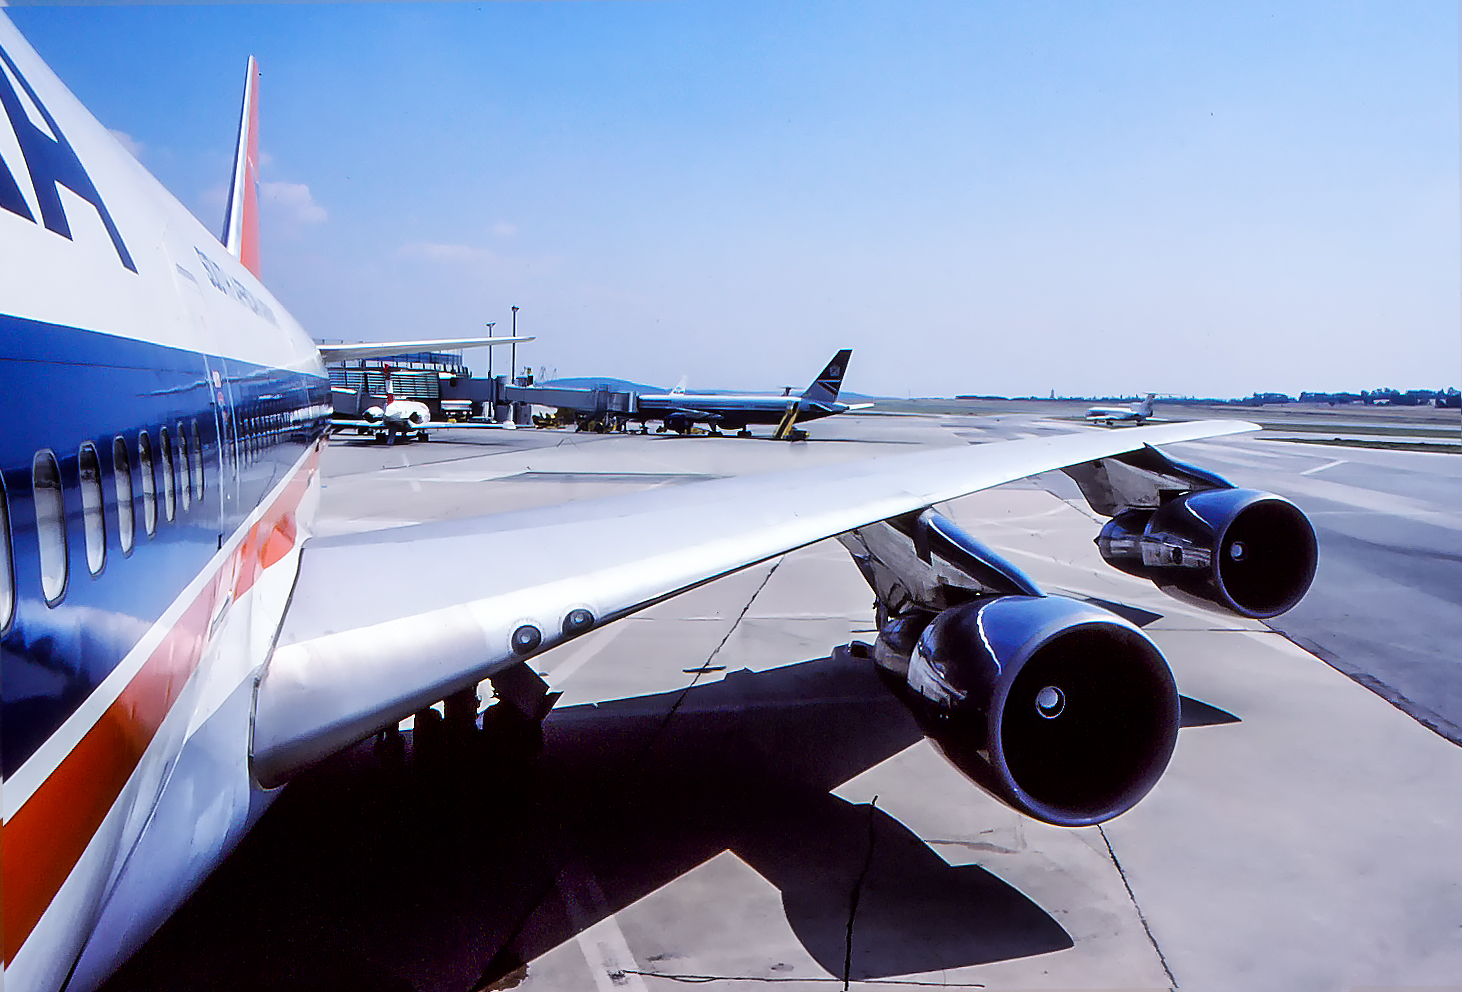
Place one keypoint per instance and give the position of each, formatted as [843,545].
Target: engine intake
[1060,709]
[1249,552]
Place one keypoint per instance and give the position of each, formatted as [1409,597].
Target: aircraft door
[221,449]
[221,391]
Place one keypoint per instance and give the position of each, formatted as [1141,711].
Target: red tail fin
[241,223]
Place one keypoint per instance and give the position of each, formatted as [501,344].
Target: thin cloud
[435,252]
[503,229]
[294,200]
[483,261]
[133,146]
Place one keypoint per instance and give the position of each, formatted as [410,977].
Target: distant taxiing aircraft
[679,410]
[1111,415]
[175,645]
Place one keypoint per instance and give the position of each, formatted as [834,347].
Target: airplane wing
[508,586]
[383,349]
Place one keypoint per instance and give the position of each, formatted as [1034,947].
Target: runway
[727,797]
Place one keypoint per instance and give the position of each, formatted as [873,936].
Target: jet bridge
[600,408]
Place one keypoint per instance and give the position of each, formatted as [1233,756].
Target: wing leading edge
[346,666]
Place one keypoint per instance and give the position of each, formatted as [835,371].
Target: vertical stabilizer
[1146,408]
[241,222]
[824,388]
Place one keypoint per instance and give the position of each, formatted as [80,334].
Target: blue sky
[975,196]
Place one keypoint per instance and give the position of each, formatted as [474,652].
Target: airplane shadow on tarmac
[450,874]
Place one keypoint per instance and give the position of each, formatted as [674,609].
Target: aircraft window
[122,475]
[195,459]
[7,573]
[50,524]
[149,483]
[90,468]
[181,456]
[169,494]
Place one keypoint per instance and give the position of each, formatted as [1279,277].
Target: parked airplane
[1111,415]
[679,410]
[175,646]
[400,419]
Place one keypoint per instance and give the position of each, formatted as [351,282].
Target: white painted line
[612,966]
[1321,468]
[406,463]
[585,654]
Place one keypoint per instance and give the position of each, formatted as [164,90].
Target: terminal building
[442,381]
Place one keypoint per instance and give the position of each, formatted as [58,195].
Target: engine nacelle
[1249,552]
[1063,711]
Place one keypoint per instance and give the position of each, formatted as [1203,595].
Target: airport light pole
[489,348]
[513,372]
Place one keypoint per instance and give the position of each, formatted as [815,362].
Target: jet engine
[1060,709]
[1249,552]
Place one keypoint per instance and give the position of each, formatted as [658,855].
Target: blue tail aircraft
[680,411]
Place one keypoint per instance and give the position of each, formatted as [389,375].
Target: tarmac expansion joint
[857,894]
[1172,982]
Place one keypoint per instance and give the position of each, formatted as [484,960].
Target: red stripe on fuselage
[46,837]
[249,215]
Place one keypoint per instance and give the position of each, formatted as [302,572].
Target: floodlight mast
[513,372]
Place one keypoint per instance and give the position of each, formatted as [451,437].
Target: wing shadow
[390,877]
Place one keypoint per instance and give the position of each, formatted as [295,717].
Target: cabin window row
[171,477]
[260,432]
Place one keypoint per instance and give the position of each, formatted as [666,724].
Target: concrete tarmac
[726,796]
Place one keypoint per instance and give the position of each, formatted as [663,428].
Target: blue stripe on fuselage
[64,386]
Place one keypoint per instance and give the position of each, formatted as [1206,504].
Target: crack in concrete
[610,796]
[1172,982]
[639,760]
[858,894]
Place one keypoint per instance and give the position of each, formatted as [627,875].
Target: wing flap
[347,664]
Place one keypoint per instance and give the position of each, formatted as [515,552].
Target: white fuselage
[183,412]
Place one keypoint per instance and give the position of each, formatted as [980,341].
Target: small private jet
[1111,416]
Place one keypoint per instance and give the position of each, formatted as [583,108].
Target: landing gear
[428,736]
[460,716]
[390,745]
[512,729]
[744,432]
[511,735]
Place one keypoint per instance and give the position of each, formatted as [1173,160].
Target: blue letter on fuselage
[52,163]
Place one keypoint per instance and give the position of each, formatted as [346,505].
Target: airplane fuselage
[1114,415]
[733,411]
[154,501]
